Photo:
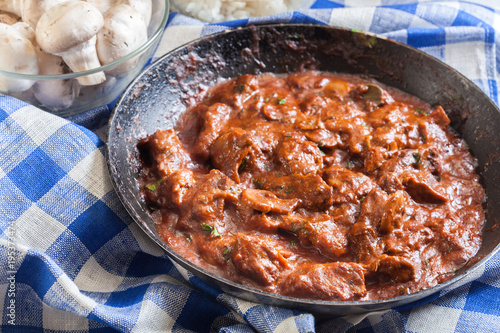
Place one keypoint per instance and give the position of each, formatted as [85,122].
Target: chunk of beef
[172,191]
[299,156]
[326,236]
[308,123]
[392,218]
[258,259]
[207,202]
[394,268]
[456,241]
[266,201]
[352,136]
[439,117]
[311,190]
[164,152]
[314,105]
[235,151]
[402,136]
[364,241]
[281,107]
[347,186]
[373,207]
[214,121]
[323,138]
[217,251]
[242,89]
[424,188]
[338,281]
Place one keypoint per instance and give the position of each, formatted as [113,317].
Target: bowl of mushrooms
[67,57]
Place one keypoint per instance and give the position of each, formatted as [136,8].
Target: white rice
[225,10]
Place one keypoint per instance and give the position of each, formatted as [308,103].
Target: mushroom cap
[17,54]
[67,25]
[124,31]
[34,9]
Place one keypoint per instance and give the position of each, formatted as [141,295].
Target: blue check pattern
[72,260]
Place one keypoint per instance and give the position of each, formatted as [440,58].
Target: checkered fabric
[72,260]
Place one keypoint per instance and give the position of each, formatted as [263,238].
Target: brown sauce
[316,186]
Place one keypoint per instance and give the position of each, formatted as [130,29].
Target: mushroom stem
[55,94]
[83,57]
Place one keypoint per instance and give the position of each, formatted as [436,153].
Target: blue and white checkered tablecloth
[72,260]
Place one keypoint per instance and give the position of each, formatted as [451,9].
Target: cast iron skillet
[164,90]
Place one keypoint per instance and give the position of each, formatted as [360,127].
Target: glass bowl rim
[157,34]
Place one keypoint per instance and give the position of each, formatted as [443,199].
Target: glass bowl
[93,96]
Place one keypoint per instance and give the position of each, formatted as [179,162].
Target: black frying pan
[164,90]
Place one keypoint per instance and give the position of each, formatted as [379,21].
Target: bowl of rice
[224,10]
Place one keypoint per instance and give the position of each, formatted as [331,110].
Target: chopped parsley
[281,101]
[418,158]
[420,112]
[257,182]
[213,230]
[154,185]
[294,36]
[226,253]
[243,164]
[239,87]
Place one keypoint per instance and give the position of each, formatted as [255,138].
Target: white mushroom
[26,30]
[9,18]
[32,10]
[18,55]
[12,6]
[102,5]
[145,7]
[124,31]
[55,94]
[69,30]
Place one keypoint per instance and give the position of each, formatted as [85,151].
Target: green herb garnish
[154,186]
[294,36]
[418,158]
[281,101]
[420,112]
[226,253]
[240,87]
[213,230]
[257,182]
[243,164]
[151,187]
